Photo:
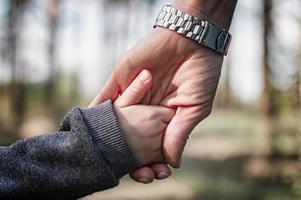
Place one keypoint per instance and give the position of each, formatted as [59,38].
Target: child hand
[143,126]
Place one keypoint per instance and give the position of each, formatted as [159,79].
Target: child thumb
[136,90]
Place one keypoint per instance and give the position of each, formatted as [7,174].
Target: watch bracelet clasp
[216,38]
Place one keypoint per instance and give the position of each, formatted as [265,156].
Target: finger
[109,91]
[161,171]
[177,134]
[128,68]
[143,175]
[136,90]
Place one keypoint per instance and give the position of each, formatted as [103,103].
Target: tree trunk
[267,28]
[228,97]
[17,87]
[297,87]
[299,81]
[269,107]
[299,72]
[53,7]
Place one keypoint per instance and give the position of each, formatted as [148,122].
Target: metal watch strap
[203,32]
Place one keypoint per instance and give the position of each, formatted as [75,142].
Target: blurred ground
[227,158]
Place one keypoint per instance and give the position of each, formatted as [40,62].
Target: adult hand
[185,76]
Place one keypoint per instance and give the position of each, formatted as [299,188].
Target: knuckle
[154,134]
[158,130]
[151,115]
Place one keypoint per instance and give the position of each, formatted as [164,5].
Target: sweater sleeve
[87,154]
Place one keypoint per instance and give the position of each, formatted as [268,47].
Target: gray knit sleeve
[109,138]
[87,154]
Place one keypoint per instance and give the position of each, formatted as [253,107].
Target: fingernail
[144,76]
[163,175]
[145,181]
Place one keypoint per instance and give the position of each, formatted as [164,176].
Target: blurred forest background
[56,54]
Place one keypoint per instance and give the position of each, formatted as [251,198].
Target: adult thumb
[136,90]
[177,134]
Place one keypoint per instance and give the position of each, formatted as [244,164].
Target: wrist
[130,134]
[218,12]
[192,7]
[108,138]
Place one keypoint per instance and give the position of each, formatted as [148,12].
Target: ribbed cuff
[104,128]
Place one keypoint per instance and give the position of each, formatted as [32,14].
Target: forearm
[87,155]
[219,12]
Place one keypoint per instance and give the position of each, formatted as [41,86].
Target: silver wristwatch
[203,32]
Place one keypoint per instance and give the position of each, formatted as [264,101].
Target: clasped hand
[184,79]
